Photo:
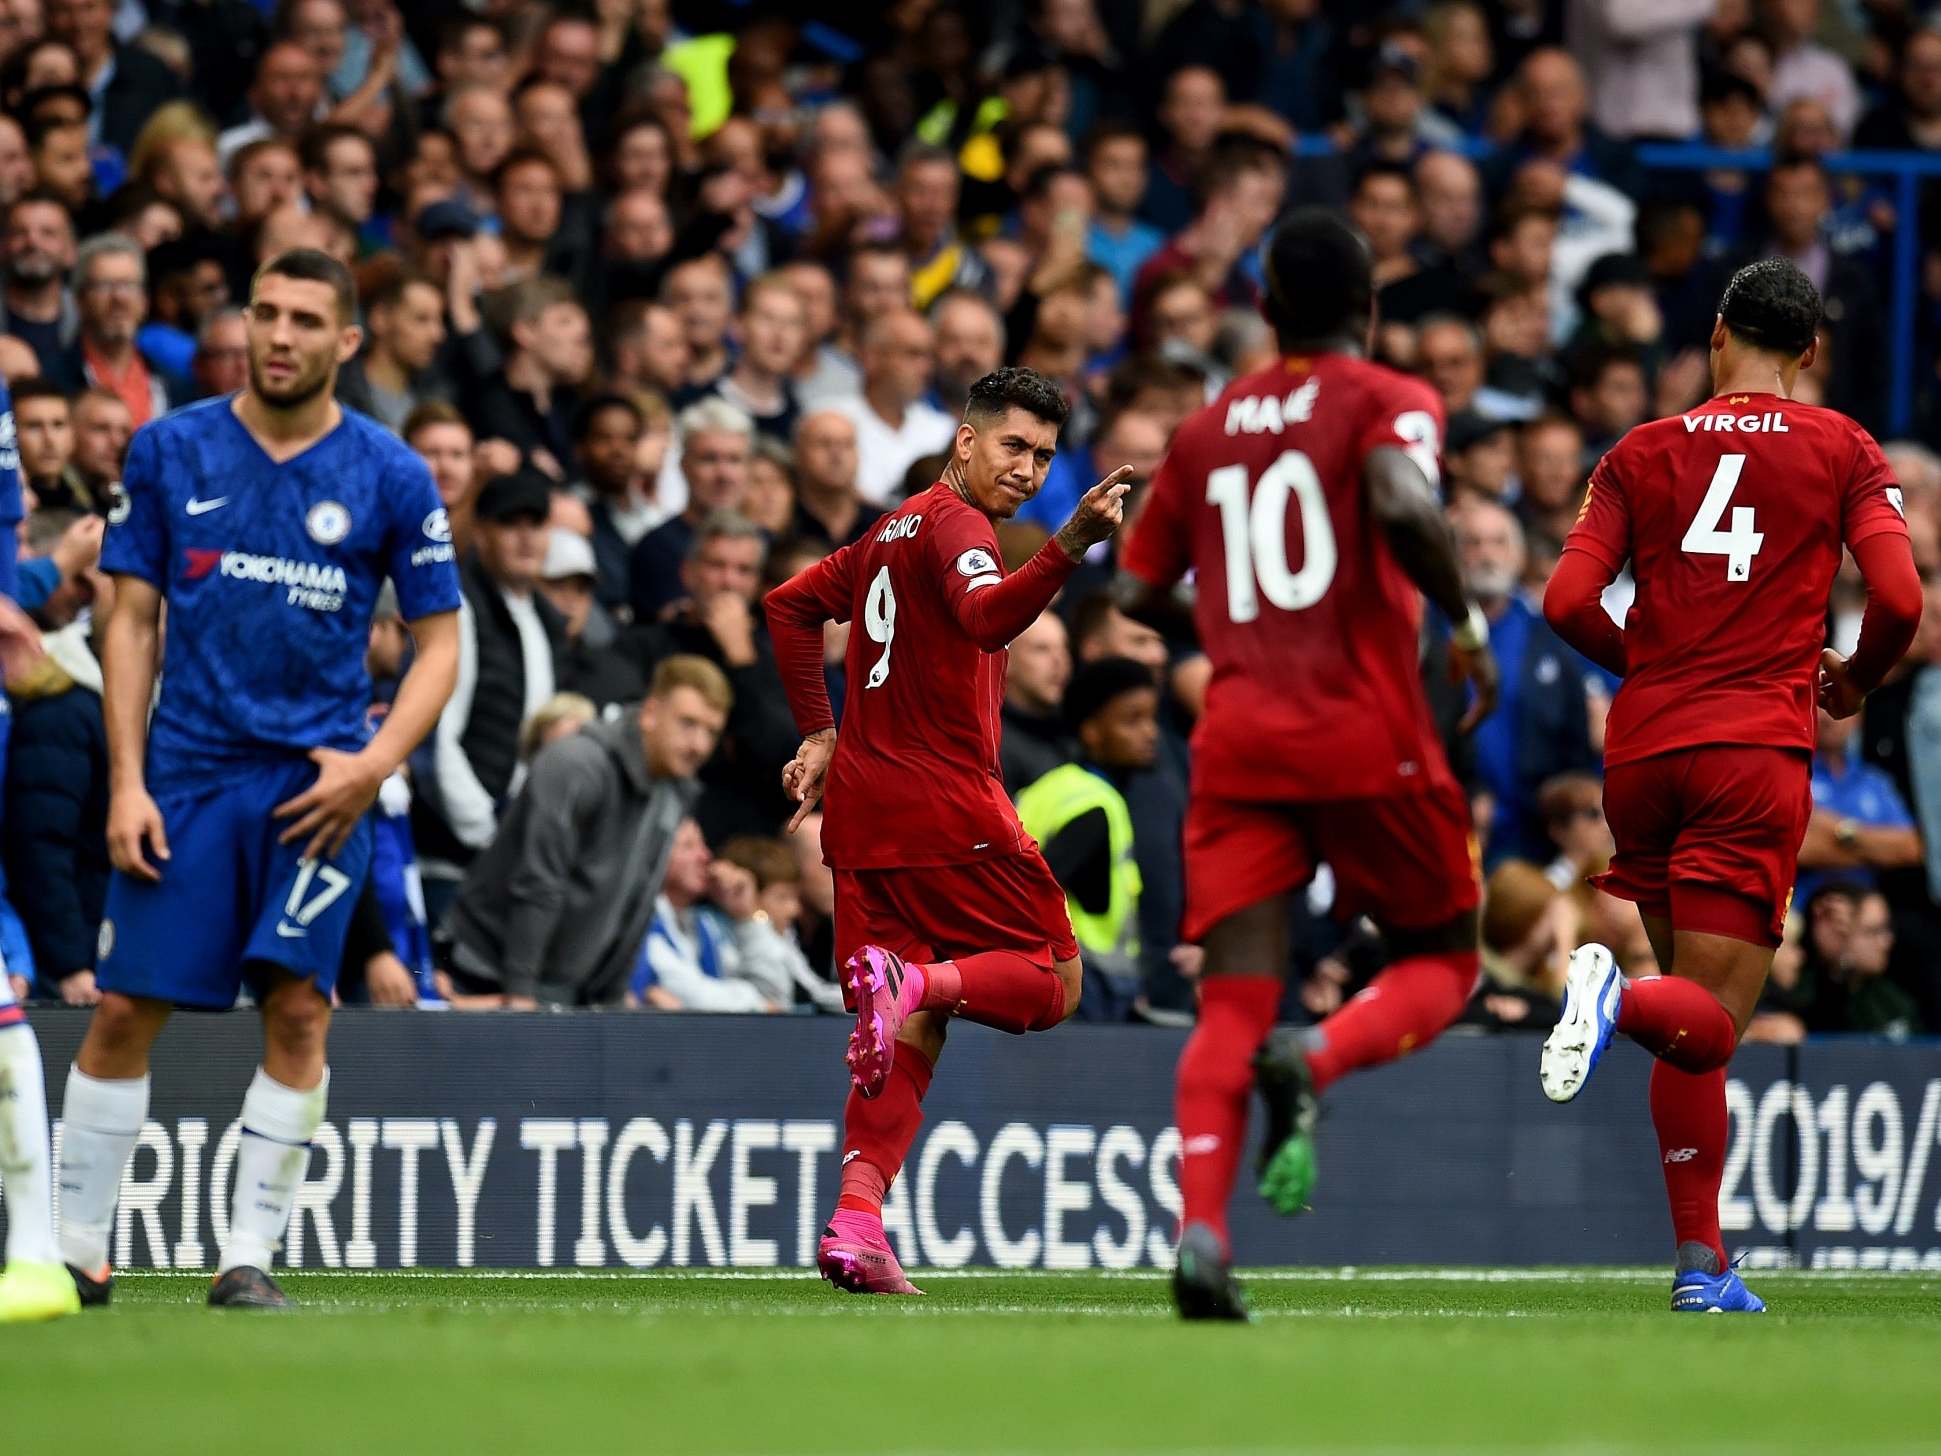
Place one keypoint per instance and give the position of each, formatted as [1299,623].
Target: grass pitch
[1371,1361]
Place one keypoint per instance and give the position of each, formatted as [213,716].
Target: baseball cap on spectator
[508,497]
[1098,682]
[1468,428]
[568,554]
[446,218]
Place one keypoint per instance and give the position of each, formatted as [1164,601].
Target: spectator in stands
[1550,470]
[110,286]
[510,641]
[1541,726]
[716,618]
[607,447]
[285,98]
[588,661]
[1397,123]
[62,166]
[265,176]
[557,907]
[1860,824]
[1803,67]
[187,281]
[125,82]
[773,334]
[970,344]
[340,172]
[57,803]
[1190,116]
[483,131]
[702,957]
[1859,996]
[700,291]
[1641,63]
[1553,107]
[44,430]
[1035,675]
[895,425]
[717,441]
[1240,195]
[829,506]
[186,173]
[1479,457]
[404,327]
[443,440]
[778,892]
[1911,119]
[1449,191]
[1449,351]
[103,425]
[649,350]
[36,306]
[1079,814]
[1115,164]
[548,347]
[928,188]
[1608,395]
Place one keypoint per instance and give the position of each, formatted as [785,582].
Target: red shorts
[1708,838]
[1409,861]
[943,911]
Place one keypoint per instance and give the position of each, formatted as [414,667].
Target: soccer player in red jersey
[944,906]
[1305,499]
[1732,518]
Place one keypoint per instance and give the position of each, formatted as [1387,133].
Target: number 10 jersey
[1312,627]
[1732,517]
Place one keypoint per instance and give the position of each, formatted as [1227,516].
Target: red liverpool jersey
[1732,518]
[1311,624]
[915,779]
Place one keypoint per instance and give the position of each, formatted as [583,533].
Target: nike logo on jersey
[290,932]
[203,507]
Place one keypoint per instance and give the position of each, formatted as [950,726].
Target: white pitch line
[1351,1274]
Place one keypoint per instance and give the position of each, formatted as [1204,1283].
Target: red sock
[878,1131]
[1679,1021]
[1214,1085]
[998,988]
[1688,1109]
[1403,1009]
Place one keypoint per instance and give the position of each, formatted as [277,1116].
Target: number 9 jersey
[1732,517]
[1312,628]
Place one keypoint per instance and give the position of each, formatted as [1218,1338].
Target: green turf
[572,1366]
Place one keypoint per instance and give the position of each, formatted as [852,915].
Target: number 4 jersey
[1311,625]
[1732,518]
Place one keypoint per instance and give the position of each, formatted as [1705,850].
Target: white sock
[278,1123]
[26,1160]
[100,1120]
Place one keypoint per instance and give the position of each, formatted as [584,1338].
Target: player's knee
[119,1035]
[296,1020]
[1071,985]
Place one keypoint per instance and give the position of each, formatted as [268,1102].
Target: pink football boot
[856,1257]
[884,991]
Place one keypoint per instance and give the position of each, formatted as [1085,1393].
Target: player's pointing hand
[1098,514]
[329,809]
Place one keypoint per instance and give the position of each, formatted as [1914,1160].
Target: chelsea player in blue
[34,1286]
[268,522]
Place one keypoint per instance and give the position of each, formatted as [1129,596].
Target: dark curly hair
[1320,277]
[1772,305]
[1013,387]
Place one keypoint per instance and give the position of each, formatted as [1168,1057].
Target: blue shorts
[231,900]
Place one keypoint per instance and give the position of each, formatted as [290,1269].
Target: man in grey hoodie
[554,910]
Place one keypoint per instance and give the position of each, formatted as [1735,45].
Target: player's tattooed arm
[1406,507]
[1097,515]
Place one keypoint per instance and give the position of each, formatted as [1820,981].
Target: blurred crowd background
[676,298]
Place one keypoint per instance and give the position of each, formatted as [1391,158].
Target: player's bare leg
[878,1130]
[102,1113]
[34,1286]
[1690,1018]
[1430,977]
[281,1113]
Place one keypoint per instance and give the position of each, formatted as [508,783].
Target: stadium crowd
[674,299]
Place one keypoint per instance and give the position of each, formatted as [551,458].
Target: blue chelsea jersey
[12,502]
[271,572]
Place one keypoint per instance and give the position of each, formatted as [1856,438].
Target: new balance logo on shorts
[1681,1155]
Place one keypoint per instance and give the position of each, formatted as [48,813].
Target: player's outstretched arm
[128,648]
[992,615]
[347,783]
[1887,627]
[1405,505]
